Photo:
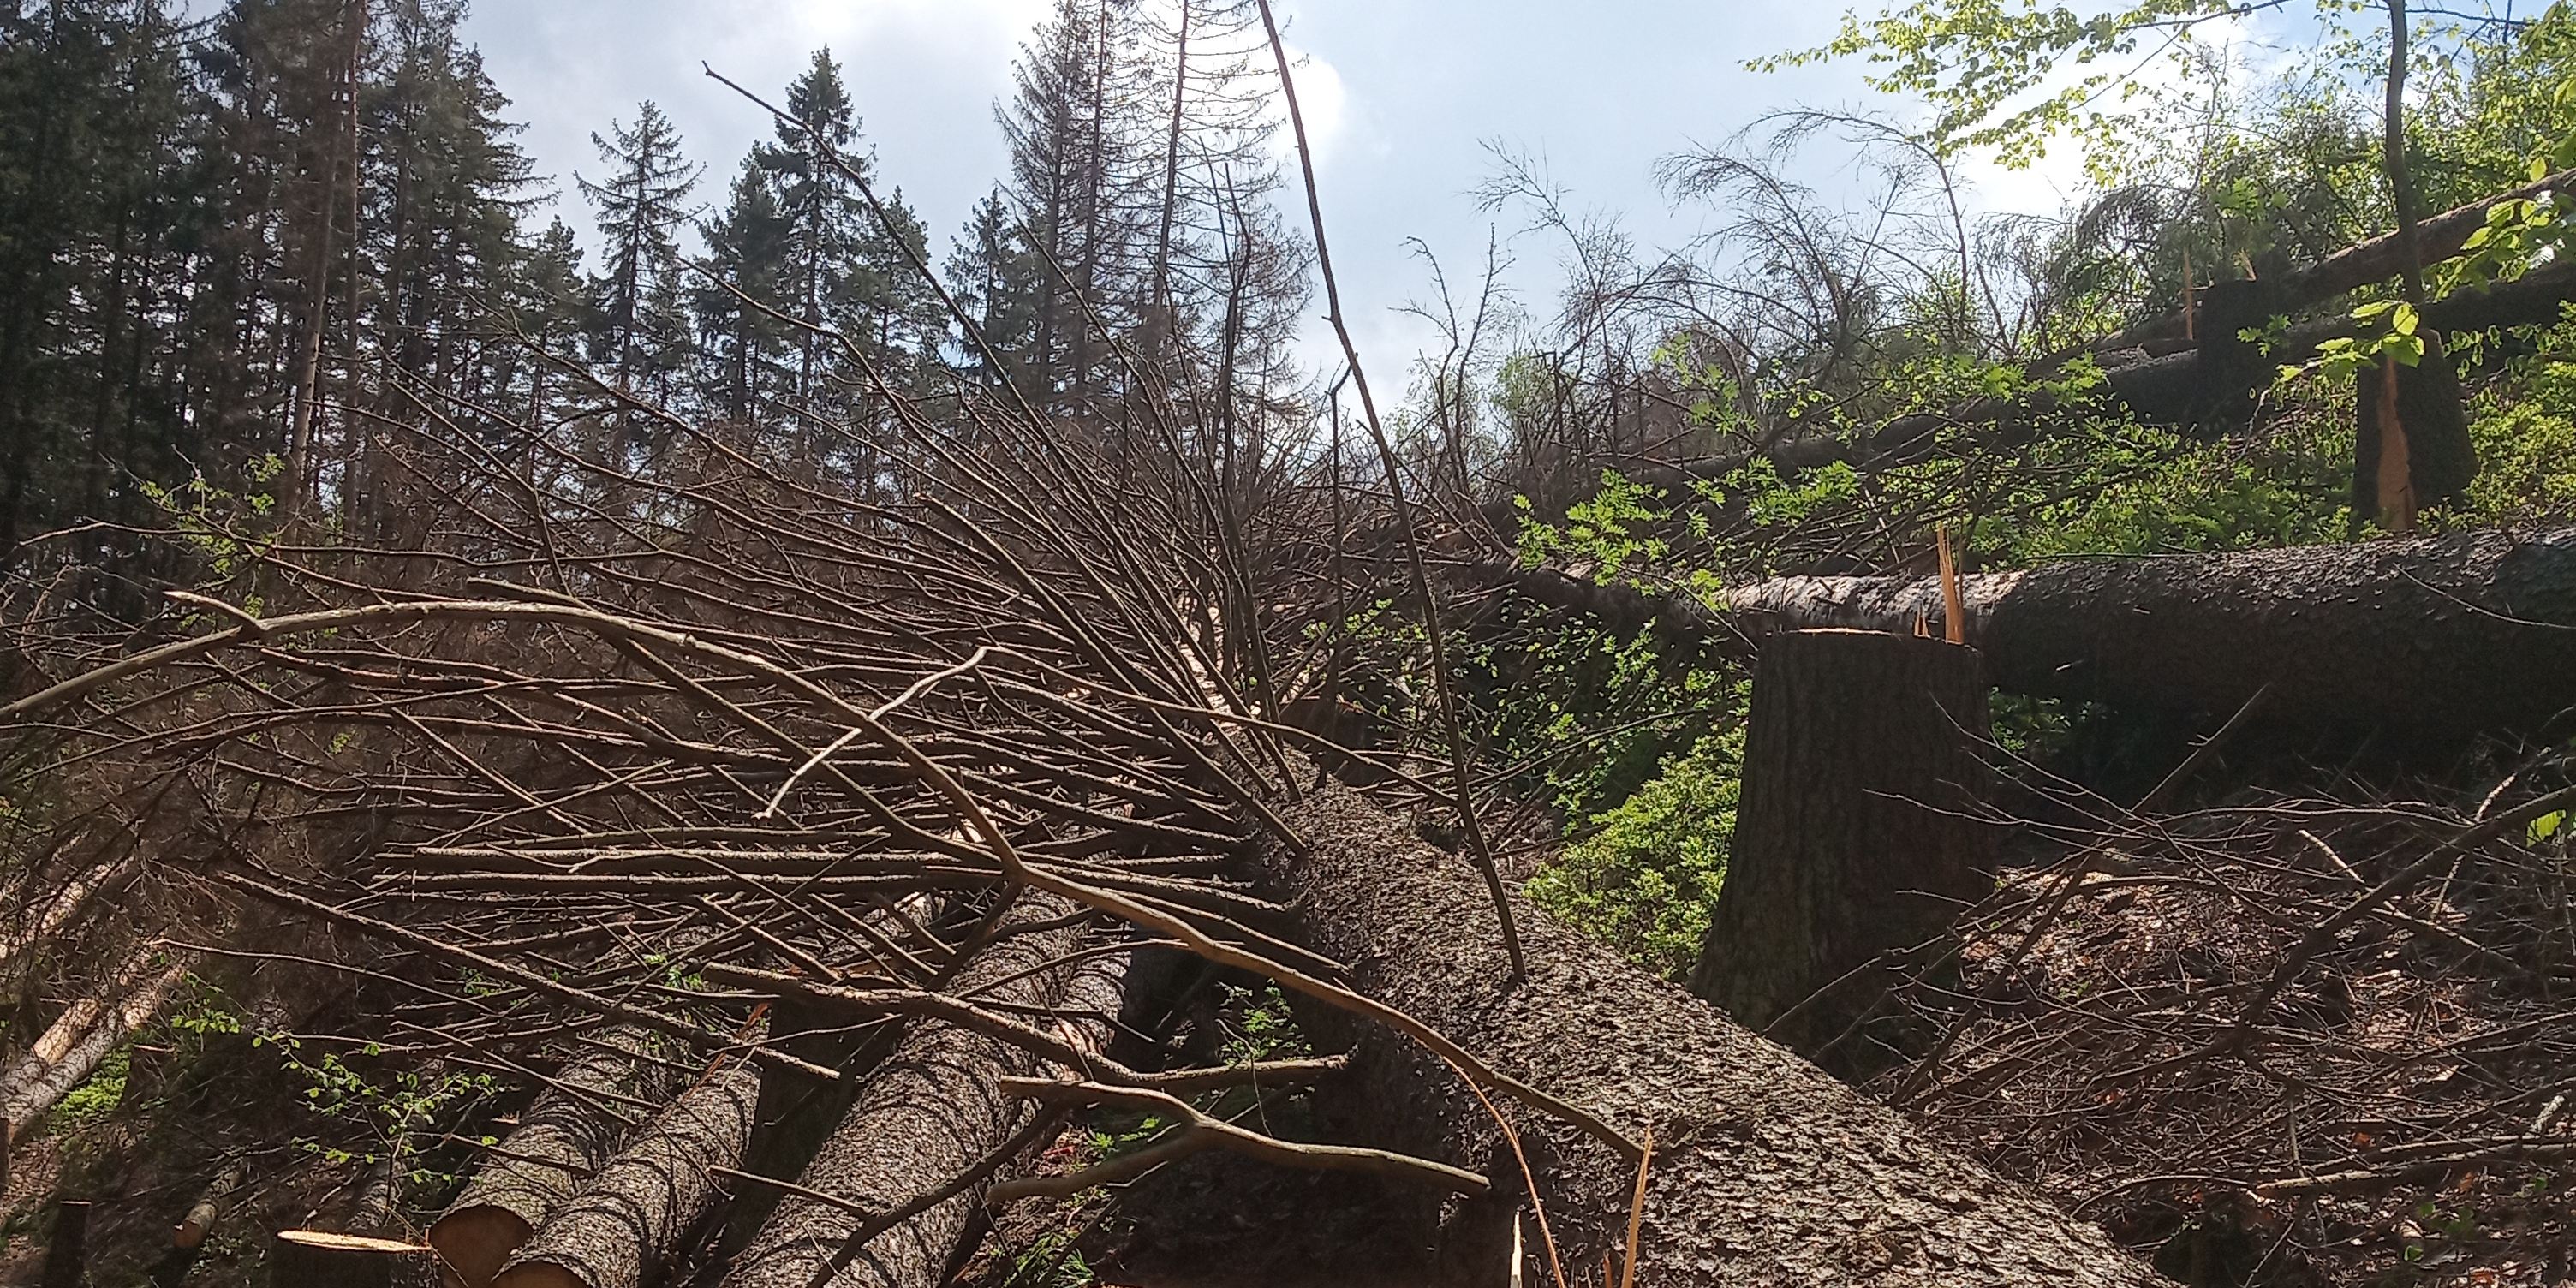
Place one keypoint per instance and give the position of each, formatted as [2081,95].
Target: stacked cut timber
[619,1232]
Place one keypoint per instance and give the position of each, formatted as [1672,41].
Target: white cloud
[1323,100]
[923,73]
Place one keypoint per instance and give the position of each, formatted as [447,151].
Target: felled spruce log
[2459,633]
[1859,834]
[926,1115]
[567,1132]
[1765,1170]
[188,1238]
[622,1230]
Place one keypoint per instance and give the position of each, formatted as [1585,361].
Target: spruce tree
[746,268]
[997,279]
[829,273]
[641,202]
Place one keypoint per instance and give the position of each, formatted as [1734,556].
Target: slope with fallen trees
[895,772]
[783,849]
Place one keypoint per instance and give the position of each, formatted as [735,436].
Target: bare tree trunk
[66,904]
[561,1141]
[1765,1170]
[343,160]
[2460,633]
[624,1229]
[319,1259]
[1855,835]
[78,1017]
[927,1115]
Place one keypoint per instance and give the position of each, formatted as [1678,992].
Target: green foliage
[2388,333]
[1976,64]
[376,1112]
[1646,878]
[2546,826]
[2524,429]
[1262,1028]
[229,531]
[1050,1261]
[1606,531]
[99,1095]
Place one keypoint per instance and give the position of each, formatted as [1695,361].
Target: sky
[1401,97]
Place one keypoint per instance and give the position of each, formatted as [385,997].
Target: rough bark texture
[620,1231]
[927,1113]
[796,1115]
[560,1142]
[1767,1172]
[1856,835]
[2472,631]
[317,1259]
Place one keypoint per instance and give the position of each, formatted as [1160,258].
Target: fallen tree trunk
[560,1142]
[2358,265]
[78,1017]
[1765,1170]
[620,1232]
[2460,633]
[27,1101]
[65,905]
[931,1110]
[188,1238]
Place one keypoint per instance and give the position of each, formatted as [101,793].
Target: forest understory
[1884,745]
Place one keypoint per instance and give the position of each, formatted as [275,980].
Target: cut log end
[474,1243]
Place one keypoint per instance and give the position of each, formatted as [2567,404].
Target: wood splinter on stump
[1857,833]
[321,1259]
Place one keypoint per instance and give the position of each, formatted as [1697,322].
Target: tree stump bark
[320,1259]
[1856,835]
[67,1256]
